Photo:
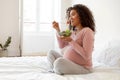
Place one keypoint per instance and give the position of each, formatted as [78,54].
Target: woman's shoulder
[86,31]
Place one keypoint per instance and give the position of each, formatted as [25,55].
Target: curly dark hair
[68,12]
[68,15]
[86,17]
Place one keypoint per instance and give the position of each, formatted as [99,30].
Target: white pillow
[110,55]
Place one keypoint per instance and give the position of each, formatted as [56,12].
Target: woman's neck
[76,29]
[79,27]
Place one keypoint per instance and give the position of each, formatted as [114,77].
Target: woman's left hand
[68,39]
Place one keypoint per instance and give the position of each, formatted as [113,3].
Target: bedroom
[106,15]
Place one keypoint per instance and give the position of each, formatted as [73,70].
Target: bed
[105,67]
[36,68]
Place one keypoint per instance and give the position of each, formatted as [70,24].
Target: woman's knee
[59,62]
[50,52]
[58,65]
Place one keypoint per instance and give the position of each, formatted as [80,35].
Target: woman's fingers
[56,26]
[65,38]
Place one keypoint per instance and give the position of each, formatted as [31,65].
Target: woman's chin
[72,25]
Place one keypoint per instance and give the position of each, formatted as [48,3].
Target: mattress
[36,68]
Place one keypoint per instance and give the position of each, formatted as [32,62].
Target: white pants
[61,65]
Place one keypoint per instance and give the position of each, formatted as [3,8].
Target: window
[39,14]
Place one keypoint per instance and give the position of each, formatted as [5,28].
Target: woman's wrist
[58,30]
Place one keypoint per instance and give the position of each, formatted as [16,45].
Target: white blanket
[36,68]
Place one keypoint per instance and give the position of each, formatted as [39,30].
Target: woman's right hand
[56,26]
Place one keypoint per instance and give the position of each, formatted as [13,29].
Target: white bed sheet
[35,68]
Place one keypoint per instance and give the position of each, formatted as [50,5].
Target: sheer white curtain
[38,34]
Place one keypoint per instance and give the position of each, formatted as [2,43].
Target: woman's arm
[62,43]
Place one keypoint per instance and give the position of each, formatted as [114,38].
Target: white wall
[9,24]
[107,19]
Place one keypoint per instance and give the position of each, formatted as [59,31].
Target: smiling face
[74,18]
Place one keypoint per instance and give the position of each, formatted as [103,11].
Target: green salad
[65,33]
